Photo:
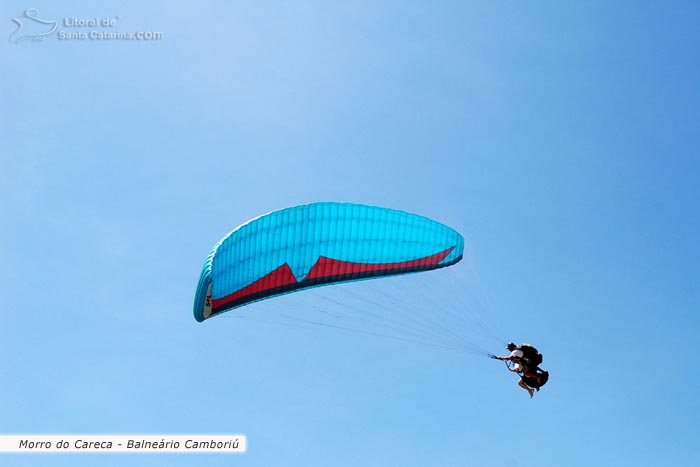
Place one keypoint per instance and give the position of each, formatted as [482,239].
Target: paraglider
[525,361]
[328,243]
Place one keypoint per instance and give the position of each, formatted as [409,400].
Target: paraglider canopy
[319,244]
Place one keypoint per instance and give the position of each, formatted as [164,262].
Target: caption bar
[153,444]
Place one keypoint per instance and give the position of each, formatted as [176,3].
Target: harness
[541,380]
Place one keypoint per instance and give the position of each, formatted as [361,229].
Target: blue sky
[561,140]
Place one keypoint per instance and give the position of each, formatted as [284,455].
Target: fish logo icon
[30,27]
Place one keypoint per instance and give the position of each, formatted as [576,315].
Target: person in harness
[525,361]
